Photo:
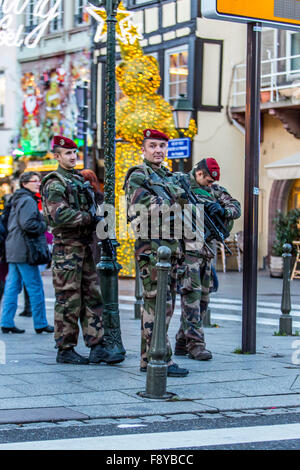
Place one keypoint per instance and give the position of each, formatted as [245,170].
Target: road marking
[168,440]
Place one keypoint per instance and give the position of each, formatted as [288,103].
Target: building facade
[280,128]
[50,73]
[195,57]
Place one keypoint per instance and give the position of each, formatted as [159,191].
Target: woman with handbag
[26,248]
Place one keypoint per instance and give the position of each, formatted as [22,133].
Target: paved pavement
[34,389]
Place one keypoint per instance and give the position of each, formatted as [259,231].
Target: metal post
[93,102]
[138,293]
[157,368]
[108,266]
[251,187]
[85,125]
[285,321]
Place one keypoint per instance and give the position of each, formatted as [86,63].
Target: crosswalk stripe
[265,310]
[168,440]
[229,315]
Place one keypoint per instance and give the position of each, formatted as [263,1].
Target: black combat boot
[100,354]
[70,356]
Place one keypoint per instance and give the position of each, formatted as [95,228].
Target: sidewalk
[35,389]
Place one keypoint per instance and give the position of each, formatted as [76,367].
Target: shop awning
[286,169]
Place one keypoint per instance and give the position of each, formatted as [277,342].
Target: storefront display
[49,106]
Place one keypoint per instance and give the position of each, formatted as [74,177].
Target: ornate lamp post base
[108,272]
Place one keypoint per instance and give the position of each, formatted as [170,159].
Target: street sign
[284,14]
[179,148]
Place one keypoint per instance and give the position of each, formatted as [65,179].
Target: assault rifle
[155,186]
[106,243]
[214,228]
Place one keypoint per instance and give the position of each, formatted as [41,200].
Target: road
[248,432]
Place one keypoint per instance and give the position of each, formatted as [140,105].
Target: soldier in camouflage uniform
[196,277]
[154,149]
[68,211]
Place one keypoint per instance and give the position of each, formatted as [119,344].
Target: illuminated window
[80,16]
[176,73]
[58,23]
[2,96]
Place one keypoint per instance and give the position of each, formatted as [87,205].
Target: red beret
[213,168]
[63,142]
[154,134]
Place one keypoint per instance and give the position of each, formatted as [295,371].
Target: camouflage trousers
[194,284]
[148,274]
[78,296]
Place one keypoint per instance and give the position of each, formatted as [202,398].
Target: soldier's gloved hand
[214,208]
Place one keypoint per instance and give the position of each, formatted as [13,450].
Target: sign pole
[252,149]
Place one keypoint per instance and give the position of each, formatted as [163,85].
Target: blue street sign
[179,148]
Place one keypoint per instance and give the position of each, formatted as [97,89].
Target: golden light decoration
[141,108]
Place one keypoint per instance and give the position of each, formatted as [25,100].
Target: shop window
[176,73]
[294,196]
[293,54]
[80,15]
[2,96]
[58,23]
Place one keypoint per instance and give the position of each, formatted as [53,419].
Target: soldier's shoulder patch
[55,185]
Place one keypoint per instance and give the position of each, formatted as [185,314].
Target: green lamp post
[182,113]
[108,266]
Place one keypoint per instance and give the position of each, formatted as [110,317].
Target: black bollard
[138,293]
[285,321]
[157,368]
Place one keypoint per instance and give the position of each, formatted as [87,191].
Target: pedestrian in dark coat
[24,221]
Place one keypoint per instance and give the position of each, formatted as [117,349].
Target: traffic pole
[252,151]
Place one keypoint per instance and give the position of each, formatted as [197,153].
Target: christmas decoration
[49,104]
[141,107]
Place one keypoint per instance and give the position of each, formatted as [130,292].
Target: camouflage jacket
[65,206]
[137,192]
[214,193]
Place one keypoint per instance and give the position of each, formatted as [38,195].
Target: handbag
[37,250]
